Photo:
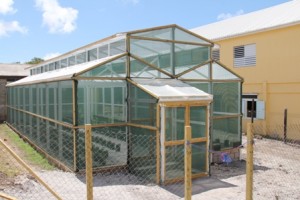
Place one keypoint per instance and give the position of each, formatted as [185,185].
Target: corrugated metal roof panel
[14,70]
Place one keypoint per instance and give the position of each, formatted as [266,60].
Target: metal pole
[285,125]
[187,164]
[249,168]
[89,162]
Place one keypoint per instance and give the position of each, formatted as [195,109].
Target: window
[71,61]
[216,54]
[64,63]
[257,106]
[245,55]
[92,54]
[81,58]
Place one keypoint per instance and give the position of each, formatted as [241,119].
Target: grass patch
[29,153]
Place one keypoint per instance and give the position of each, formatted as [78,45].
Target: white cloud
[58,19]
[134,2]
[51,55]
[14,26]
[223,16]
[6,6]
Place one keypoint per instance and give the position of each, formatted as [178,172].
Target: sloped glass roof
[63,73]
[171,90]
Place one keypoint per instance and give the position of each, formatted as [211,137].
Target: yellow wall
[276,76]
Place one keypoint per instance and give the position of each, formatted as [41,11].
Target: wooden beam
[42,117]
[170,41]
[28,168]
[6,196]
[151,65]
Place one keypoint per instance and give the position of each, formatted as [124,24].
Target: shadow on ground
[200,185]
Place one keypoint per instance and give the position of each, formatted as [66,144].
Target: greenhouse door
[174,118]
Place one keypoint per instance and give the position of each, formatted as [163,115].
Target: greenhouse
[138,90]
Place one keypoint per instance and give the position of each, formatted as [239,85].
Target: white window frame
[260,108]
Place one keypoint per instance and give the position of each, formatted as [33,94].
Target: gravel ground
[276,176]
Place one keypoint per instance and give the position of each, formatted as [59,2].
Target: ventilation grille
[245,55]
[216,54]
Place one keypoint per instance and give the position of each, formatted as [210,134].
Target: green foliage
[35,60]
[29,153]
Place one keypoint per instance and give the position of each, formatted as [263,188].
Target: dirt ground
[276,176]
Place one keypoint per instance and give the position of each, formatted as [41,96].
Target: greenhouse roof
[171,90]
[285,14]
[61,74]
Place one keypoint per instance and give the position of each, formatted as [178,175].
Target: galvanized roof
[278,16]
[14,69]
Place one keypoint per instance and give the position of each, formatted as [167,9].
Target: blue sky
[43,28]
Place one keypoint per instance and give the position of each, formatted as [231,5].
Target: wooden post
[285,125]
[88,161]
[187,164]
[249,168]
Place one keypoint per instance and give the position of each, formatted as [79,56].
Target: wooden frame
[168,41]
[187,106]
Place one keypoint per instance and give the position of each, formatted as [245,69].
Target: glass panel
[27,98]
[226,98]
[65,102]
[185,36]
[116,68]
[139,69]
[226,133]
[51,66]
[174,123]
[34,98]
[103,51]
[101,102]
[92,54]
[156,53]
[57,65]
[64,63]
[220,73]
[199,158]
[81,58]
[188,56]
[201,86]
[142,107]
[117,47]
[199,73]
[174,161]
[161,34]
[198,121]
[46,68]
[71,61]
